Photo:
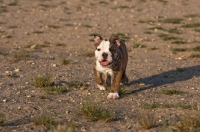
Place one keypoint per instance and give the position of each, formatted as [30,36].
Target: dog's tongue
[104,63]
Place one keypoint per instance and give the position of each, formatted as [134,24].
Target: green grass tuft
[178,42]
[172,20]
[96,112]
[167,37]
[195,56]
[197,48]
[44,119]
[191,25]
[65,61]
[173,92]
[174,30]
[76,84]
[42,81]
[146,120]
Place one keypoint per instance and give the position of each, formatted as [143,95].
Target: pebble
[4,100]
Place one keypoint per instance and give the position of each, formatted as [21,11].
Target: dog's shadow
[169,77]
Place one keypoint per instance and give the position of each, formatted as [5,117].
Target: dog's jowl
[111,59]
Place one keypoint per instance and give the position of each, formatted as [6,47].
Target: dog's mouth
[105,63]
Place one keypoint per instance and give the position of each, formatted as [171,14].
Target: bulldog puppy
[111,59]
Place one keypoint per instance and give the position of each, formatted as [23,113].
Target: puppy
[111,59]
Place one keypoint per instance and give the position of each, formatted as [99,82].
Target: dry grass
[2,119]
[146,120]
[173,92]
[43,119]
[95,112]
[42,81]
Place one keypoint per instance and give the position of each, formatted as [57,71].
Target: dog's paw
[101,87]
[113,96]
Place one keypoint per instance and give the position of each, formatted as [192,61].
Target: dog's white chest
[104,70]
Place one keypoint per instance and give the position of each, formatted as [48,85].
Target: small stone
[17,70]
[4,100]
[82,88]
[28,96]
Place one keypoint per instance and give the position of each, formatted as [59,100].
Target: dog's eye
[98,49]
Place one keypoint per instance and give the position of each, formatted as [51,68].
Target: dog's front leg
[114,91]
[99,80]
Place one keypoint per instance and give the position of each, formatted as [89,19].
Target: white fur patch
[113,96]
[101,87]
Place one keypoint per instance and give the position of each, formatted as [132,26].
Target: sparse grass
[55,89]
[14,3]
[53,26]
[21,55]
[94,34]
[195,56]
[174,30]
[192,15]
[69,24]
[38,32]
[122,92]
[172,20]
[189,122]
[197,48]
[42,81]
[9,36]
[2,119]
[88,54]
[147,120]
[138,45]
[175,50]
[122,36]
[167,37]
[44,119]
[60,44]
[76,84]
[191,25]
[46,6]
[3,9]
[70,126]
[148,32]
[180,69]
[95,112]
[13,26]
[146,21]
[87,26]
[178,42]
[197,30]
[123,7]
[65,61]
[103,3]
[43,97]
[163,1]
[173,92]
[154,48]
[185,106]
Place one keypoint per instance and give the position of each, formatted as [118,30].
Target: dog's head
[106,50]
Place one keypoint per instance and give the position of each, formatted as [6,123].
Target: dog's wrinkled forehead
[104,45]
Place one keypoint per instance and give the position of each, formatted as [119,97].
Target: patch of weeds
[13,27]
[65,61]
[148,32]
[60,44]
[14,3]
[174,30]
[167,37]
[76,84]
[53,26]
[9,36]
[184,106]
[69,24]
[163,1]
[195,56]
[44,119]
[197,30]
[191,25]
[146,21]
[122,92]
[88,54]
[38,32]
[122,36]
[103,3]
[173,92]
[138,45]
[180,69]
[87,26]
[192,15]
[146,120]
[70,126]
[197,48]
[21,55]
[94,34]
[95,112]
[172,20]
[42,81]
[178,42]
[123,7]
[189,122]
[175,50]
[2,119]
[43,97]
[55,89]
[154,48]
[157,28]
[3,9]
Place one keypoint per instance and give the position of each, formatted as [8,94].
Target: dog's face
[105,50]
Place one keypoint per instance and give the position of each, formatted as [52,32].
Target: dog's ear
[97,40]
[115,40]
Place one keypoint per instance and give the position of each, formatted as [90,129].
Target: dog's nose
[105,55]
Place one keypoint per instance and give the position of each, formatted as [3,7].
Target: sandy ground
[50,30]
